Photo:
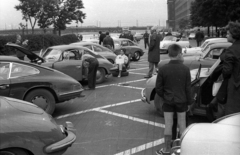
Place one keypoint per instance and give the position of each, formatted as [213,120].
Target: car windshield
[169,38]
[205,51]
[52,54]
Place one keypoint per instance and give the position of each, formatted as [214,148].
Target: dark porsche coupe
[40,85]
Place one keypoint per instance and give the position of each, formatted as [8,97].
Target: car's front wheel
[136,56]
[13,151]
[158,102]
[42,98]
[100,77]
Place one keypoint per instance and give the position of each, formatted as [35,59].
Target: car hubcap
[6,153]
[98,75]
[40,101]
[136,55]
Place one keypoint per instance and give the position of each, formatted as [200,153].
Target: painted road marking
[130,87]
[132,118]
[138,69]
[116,84]
[142,147]
[140,64]
[98,108]
[137,73]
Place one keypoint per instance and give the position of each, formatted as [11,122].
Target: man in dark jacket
[153,52]
[108,41]
[146,39]
[92,64]
[101,37]
[231,69]
[173,84]
[199,37]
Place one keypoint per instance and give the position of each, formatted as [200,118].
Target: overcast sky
[101,12]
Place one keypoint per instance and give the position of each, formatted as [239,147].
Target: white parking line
[130,87]
[132,118]
[116,84]
[142,147]
[138,73]
[138,69]
[98,108]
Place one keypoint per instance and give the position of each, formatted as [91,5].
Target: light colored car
[103,51]
[169,40]
[220,137]
[191,36]
[25,129]
[208,58]
[197,51]
[138,36]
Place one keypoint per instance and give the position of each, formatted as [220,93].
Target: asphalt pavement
[112,119]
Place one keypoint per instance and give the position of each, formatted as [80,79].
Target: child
[121,60]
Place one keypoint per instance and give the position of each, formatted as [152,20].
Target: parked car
[207,60]
[72,65]
[197,51]
[219,137]
[169,40]
[132,48]
[40,85]
[138,36]
[25,129]
[101,50]
[191,36]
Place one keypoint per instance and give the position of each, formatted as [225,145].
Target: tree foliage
[183,23]
[214,12]
[57,13]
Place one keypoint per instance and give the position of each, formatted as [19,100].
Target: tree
[183,23]
[60,13]
[30,10]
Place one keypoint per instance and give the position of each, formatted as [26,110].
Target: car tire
[38,96]
[158,102]
[13,151]
[100,75]
[136,56]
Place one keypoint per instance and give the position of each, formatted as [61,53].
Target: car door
[70,64]
[4,78]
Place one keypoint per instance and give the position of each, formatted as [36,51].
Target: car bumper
[70,96]
[66,142]
[144,98]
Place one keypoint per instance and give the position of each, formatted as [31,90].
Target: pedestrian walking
[199,37]
[153,52]
[108,41]
[231,69]
[92,64]
[101,37]
[19,54]
[130,36]
[146,39]
[173,84]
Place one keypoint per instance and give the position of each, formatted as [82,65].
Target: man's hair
[174,50]
[107,33]
[234,29]
[100,32]
[124,50]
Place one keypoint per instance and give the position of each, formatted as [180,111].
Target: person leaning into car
[173,85]
[108,41]
[231,69]
[92,64]
[19,54]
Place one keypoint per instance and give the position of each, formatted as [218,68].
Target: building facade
[180,9]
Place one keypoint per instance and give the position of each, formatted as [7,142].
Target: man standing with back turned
[173,84]
[153,52]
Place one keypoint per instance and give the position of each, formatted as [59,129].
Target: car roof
[120,39]
[222,44]
[84,43]
[233,119]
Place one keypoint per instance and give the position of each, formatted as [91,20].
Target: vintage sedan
[132,49]
[219,137]
[25,129]
[206,60]
[138,36]
[40,85]
[169,40]
[197,51]
[103,51]
[69,60]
